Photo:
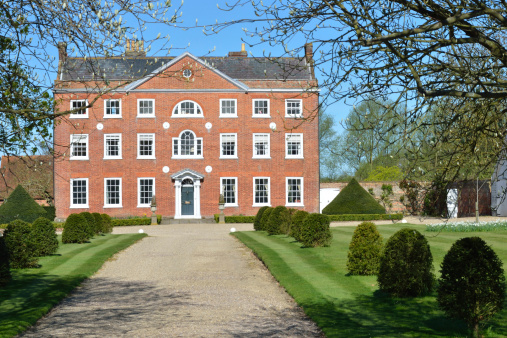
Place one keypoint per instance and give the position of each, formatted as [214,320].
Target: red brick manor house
[186,129]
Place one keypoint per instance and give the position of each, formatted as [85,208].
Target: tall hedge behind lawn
[75,229]
[20,205]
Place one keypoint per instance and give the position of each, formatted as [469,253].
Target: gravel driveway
[183,280]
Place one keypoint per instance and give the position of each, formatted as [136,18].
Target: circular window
[187,73]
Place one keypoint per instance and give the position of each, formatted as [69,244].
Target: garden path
[183,280]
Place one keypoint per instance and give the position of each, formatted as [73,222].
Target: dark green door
[187,200]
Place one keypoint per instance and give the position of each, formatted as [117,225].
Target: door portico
[187,192]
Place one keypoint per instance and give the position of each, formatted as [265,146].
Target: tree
[331,165]
[30,32]
[417,54]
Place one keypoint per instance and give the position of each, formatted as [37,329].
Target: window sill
[228,117]
[261,158]
[228,158]
[78,116]
[147,158]
[294,116]
[112,206]
[79,207]
[145,116]
[261,116]
[294,158]
[188,117]
[112,158]
[144,206]
[112,117]
[261,205]
[79,158]
[187,157]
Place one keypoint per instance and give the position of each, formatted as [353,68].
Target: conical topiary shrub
[5,271]
[75,229]
[364,250]
[20,205]
[353,199]
[44,237]
[18,239]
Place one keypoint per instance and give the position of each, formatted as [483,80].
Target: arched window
[187,109]
[187,145]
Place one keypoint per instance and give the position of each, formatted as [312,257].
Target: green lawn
[33,292]
[352,306]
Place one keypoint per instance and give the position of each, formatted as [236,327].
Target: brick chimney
[62,56]
[309,52]
[135,48]
[242,54]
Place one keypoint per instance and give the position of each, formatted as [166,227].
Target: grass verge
[352,306]
[33,292]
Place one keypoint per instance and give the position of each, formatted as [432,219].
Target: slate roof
[239,68]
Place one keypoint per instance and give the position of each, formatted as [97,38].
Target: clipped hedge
[90,223]
[365,249]
[265,218]
[131,221]
[315,231]
[353,199]
[5,270]
[107,224]
[236,219]
[286,225]
[18,239]
[20,205]
[50,212]
[75,229]
[258,218]
[365,217]
[273,226]
[297,224]
[99,223]
[406,265]
[44,237]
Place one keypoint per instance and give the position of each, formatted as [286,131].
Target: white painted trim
[236,195]
[79,206]
[268,155]
[105,193]
[235,156]
[269,192]
[77,116]
[261,115]
[80,158]
[145,115]
[300,108]
[119,157]
[145,157]
[235,109]
[164,90]
[112,116]
[186,116]
[301,203]
[299,156]
[195,147]
[139,205]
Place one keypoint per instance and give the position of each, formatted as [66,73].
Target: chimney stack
[62,56]
[134,48]
[309,52]
[243,52]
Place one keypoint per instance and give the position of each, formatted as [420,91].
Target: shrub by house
[353,199]
[99,223]
[90,223]
[5,271]
[275,220]
[107,224]
[44,237]
[20,205]
[75,229]
[265,218]
[258,218]
[364,250]
[315,231]
[20,246]
[297,224]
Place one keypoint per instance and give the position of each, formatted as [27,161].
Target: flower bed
[468,226]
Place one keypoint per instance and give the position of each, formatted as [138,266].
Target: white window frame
[80,158]
[296,204]
[139,115]
[139,205]
[235,190]
[235,109]
[300,108]
[268,153]
[106,157]
[269,193]
[79,206]
[106,205]
[235,156]
[287,155]
[109,116]
[186,116]
[145,157]
[196,139]
[268,115]
[79,116]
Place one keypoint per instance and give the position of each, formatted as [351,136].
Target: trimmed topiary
[406,265]
[75,229]
[90,223]
[297,224]
[315,231]
[275,220]
[20,205]
[353,199]
[364,250]
[50,212]
[107,224]
[44,237]
[99,223]
[265,218]
[18,239]
[258,217]
[286,217]
[472,282]
[5,270]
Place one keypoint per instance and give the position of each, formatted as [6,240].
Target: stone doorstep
[170,220]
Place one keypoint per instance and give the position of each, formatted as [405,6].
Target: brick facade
[206,87]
